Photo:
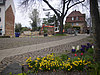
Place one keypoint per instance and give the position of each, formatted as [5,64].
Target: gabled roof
[75,14]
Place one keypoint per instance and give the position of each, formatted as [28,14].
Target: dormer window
[1,1]
[72,18]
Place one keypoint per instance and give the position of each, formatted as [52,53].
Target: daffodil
[38,58]
[36,61]
[49,68]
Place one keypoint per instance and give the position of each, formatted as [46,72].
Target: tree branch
[66,1]
[67,7]
[76,4]
[51,8]
[25,2]
[85,6]
[63,7]
[58,11]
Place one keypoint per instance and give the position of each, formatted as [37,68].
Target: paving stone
[43,52]
[15,68]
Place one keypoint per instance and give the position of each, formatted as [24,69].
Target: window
[72,18]
[76,18]
[1,1]
[72,24]
[77,24]
[0,31]
[0,19]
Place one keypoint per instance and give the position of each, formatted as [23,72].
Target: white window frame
[72,18]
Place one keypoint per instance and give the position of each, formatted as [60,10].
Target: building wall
[2,15]
[74,21]
[7,18]
[9,22]
[79,24]
[80,19]
[8,3]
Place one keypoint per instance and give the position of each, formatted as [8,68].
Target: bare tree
[65,6]
[96,27]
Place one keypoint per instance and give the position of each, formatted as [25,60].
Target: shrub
[55,63]
[90,50]
[64,57]
[4,36]
[88,58]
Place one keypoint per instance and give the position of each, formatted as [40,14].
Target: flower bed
[80,59]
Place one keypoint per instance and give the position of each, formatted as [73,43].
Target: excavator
[56,29]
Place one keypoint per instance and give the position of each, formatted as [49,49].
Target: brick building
[77,21]
[7,18]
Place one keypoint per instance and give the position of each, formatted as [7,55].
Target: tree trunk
[96,27]
[61,25]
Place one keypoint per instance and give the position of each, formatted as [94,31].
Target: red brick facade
[9,22]
[76,19]
[74,14]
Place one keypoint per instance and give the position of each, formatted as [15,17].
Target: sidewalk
[31,48]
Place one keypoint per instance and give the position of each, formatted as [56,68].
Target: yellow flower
[31,66]
[43,57]
[79,58]
[80,64]
[68,69]
[30,60]
[62,67]
[49,68]
[69,58]
[38,58]
[46,66]
[40,68]
[45,60]
[70,66]
[22,64]
[80,61]
[36,61]
[28,63]
[89,62]
[29,57]
[60,64]
[51,65]
[83,61]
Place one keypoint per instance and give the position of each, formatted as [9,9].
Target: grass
[60,35]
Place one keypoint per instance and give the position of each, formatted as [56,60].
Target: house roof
[75,14]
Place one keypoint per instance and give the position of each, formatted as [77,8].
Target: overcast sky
[23,17]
